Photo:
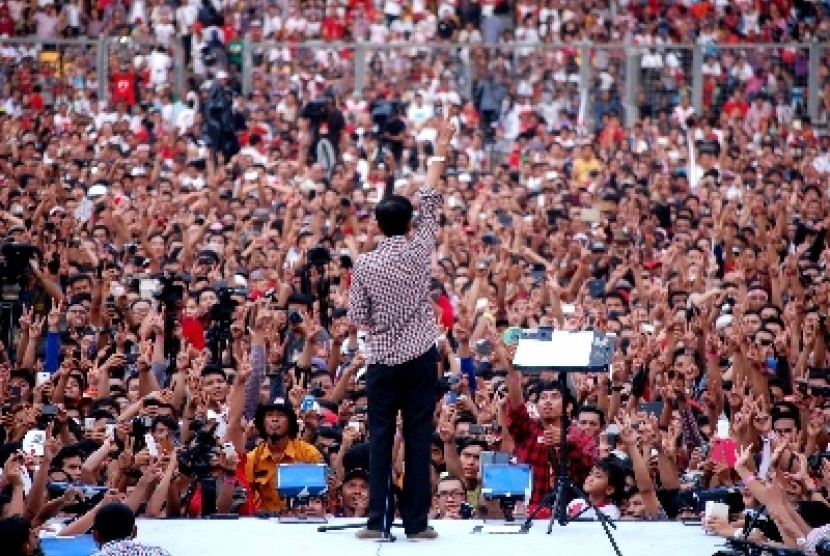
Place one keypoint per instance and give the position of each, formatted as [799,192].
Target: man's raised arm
[426,226]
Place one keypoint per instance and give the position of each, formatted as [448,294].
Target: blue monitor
[301,479]
[506,481]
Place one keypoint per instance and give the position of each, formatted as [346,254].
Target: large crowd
[176,264]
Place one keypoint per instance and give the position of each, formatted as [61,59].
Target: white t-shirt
[576,506]
[159,63]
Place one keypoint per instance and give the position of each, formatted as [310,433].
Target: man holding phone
[390,298]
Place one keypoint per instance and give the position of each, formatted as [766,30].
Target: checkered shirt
[129,547]
[389,294]
[530,448]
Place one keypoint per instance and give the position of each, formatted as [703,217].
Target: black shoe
[428,534]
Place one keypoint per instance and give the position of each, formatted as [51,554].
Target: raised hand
[244,370]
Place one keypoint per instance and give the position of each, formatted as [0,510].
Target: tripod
[557,498]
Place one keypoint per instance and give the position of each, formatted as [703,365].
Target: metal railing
[637,76]
[101,54]
[578,75]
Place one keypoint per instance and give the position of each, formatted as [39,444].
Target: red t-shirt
[332,29]
[123,87]
[731,105]
[36,101]
[194,332]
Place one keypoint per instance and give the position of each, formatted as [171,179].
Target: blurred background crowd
[179,233]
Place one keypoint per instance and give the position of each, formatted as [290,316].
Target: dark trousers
[410,388]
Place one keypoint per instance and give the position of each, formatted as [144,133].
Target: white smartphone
[151,445]
[111,431]
[354,425]
[229,450]
[42,378]
[89,423]
[33,442]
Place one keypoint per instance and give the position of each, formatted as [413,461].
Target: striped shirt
[389,294]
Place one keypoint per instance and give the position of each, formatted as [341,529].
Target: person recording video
[390,298]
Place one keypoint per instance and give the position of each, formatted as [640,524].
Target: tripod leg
[558,505]
[604,520]
[578,493]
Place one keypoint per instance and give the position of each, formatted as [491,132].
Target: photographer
[537,441]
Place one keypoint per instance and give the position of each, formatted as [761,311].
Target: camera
[91,496]
[197,459]
[815,460]
[381,112]
[14,268]
[295,318]
[695,500]
[170,292]
[48,413]
[315,111]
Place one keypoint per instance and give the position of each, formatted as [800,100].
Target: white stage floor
[256,536]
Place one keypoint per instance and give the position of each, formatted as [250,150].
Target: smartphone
[111,431]
[89,423]
[596,288]
[147,287]
[723,451]
[42,378]
[452,397]
[307,404]
[229,450]
[151,445]
[33,442]
[355,425]
[484,348]
[590,215]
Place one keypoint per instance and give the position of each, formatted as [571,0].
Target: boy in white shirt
[604,486]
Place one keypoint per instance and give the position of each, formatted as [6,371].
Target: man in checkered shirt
[389,297]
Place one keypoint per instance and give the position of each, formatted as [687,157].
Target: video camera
[171,291]
[196,460]
[14,268]
[315,111]
[225,305]
[695,500]
[742,547]
[92,494]
[382,111]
